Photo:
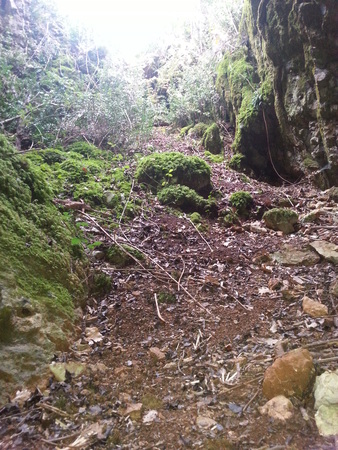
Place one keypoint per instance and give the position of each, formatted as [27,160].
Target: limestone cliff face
[285,100]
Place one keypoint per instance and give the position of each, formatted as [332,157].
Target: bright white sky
[129,25]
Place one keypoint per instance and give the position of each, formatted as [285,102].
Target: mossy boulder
[281,219]
[211,139]
[186,199]
[242,201]
[196,218]
[162,169]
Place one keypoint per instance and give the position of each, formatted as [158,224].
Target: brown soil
[242,310]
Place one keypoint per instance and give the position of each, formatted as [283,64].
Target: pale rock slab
[278,408]
[290,256]
[156,353]
[314,308]
[326,250]
[205,422]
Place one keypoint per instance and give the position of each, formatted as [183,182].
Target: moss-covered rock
[185,199]
[228,217]
[169,168]
[281,219]
[40,279]
[242,201]
[196,218]
[211,139]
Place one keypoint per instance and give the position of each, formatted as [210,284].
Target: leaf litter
[174,356]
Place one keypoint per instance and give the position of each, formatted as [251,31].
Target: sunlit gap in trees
[129,26]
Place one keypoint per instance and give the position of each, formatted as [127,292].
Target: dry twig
[158,309]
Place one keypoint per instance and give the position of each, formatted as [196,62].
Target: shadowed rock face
[292,48]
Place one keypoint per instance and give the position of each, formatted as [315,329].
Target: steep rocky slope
[281,89]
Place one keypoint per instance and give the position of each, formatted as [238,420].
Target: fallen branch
[251,400]
[158,309]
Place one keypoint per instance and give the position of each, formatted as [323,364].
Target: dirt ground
[176,353]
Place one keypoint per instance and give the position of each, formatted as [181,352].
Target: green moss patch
[198,130]
[169,168]
[84,172]
[236,162]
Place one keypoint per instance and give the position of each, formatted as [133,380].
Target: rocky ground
[175,355]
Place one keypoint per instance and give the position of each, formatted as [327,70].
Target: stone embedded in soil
[205,422]
[289,256]
[334,288]
[312,216]
[156,353]
[314,308]
[291,375]
[333,193]
[327,250]
[278,408]
[134,411]
[150,416]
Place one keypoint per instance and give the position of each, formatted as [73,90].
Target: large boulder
[291,375]
[40,277]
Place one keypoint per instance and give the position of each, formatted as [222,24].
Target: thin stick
[226,390]
[324,360]
[53,409]
[251,400]
[126,203]
[158,309]
[63,438]
[180,278]
[202,237]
